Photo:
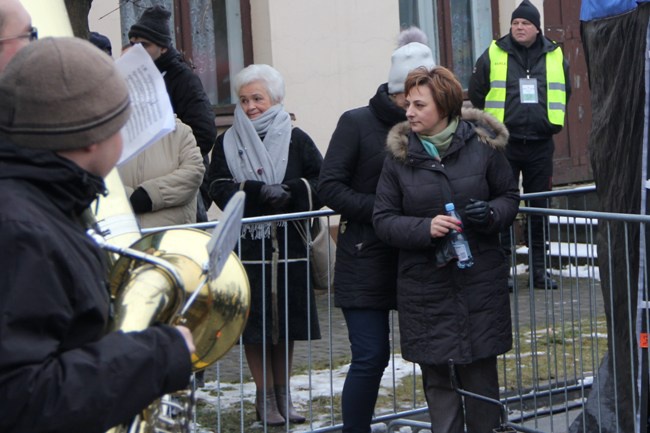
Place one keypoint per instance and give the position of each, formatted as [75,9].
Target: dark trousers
[449,411]
[368,333]
[534,161]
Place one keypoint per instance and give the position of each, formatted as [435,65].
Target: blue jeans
[368,334]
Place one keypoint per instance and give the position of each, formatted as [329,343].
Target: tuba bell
[162,277]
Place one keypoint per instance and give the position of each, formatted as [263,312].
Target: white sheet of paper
[152,116]
[226,234]
[528,91]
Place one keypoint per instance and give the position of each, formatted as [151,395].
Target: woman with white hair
[277,166]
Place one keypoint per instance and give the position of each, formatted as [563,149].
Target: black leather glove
[140,201]
[478,212]
[275,196]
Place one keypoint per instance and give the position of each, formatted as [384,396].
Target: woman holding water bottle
[446,154]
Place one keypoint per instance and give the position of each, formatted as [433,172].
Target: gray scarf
[250,157]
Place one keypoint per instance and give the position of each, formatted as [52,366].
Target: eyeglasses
[32,35]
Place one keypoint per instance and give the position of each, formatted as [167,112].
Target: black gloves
[478,212]
[275,196]
[140,201]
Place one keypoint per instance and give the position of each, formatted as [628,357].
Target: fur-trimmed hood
[487,128]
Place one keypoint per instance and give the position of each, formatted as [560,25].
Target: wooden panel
[571,160]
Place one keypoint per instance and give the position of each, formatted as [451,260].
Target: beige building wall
[49,17]
[333,54]
[104,18]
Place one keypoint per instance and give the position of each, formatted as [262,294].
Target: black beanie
[101,42]
[153,26]
[527,11]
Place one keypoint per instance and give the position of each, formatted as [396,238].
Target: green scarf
[436,145]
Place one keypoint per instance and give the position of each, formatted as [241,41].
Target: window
[458,30]
[213,35]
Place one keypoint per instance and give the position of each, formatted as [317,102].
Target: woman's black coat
[366,268]
[304,162]
[445,312]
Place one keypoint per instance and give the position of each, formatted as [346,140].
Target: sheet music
[152,115]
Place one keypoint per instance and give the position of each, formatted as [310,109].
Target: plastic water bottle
[459,241]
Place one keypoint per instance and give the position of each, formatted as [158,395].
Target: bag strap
[300,228]
[309,196]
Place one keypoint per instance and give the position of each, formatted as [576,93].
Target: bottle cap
[449,207]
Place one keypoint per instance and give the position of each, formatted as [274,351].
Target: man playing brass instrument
[62,105]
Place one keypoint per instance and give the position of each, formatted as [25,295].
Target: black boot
[199,379]
[541,278]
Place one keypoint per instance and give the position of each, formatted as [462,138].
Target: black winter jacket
[524,121]
[188,98]
[448,313]
[59,372]
[366,268]
[304,162]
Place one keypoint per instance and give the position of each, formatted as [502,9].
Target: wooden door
[571,160]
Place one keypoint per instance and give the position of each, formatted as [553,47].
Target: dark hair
[445,88]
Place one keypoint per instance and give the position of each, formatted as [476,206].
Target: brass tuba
[162,277]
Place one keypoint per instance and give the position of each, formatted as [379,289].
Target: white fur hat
[412,53]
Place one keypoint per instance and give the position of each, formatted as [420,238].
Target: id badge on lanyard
[528,91]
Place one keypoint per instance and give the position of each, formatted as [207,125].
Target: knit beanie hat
[153,26]
[61,94]
[527,11]
[412,53]
[101,42]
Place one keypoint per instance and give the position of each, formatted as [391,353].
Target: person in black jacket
[446,154]
[188,98]
[63,106]
[365,271]
[529,95]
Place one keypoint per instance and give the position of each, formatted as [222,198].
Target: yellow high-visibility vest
[495,101]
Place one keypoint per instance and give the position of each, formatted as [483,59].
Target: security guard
[523,80]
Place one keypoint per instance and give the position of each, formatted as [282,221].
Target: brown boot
[286,409]
[272,417]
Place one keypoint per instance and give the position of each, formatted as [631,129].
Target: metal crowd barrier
[560,338]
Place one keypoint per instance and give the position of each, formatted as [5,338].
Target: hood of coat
[486,127]
[170,60]
[385,109]
[69,187]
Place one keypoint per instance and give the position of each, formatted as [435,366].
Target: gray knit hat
[62,94]
[153,26]
[412,53]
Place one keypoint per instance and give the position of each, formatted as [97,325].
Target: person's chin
[520,39]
